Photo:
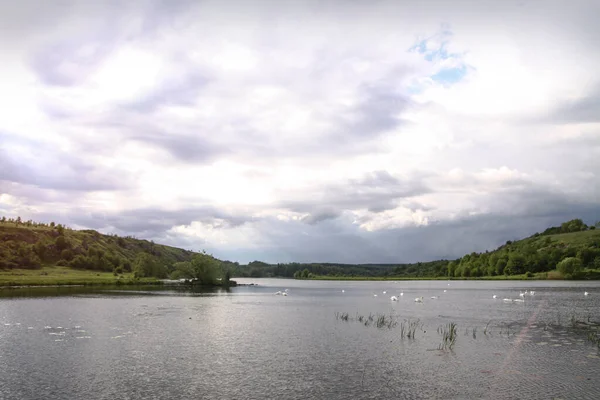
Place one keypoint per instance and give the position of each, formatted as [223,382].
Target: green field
[48,276]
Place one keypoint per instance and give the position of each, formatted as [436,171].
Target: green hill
[43,250]
[540,255]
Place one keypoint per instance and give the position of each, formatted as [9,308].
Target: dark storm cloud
[582,110]
[340,241]
[35,195]
[321,215]
[155,222]
[378,112]
[189,149]
[377,191]
[70,62]
[179,91]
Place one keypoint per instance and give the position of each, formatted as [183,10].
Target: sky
[311,131]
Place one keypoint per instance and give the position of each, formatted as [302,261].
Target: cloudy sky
[354,131]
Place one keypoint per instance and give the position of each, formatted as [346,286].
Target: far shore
[65,277]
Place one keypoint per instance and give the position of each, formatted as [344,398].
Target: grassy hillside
[41,248]
[569,251]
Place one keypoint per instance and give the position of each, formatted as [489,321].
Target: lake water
[248,343]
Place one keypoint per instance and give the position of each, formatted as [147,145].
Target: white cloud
[298,120]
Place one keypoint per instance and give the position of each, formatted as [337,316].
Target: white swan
[445,290]
[374,295]
[519,301]
[494,297]
[507,300]
[522,294]
[394,298]
[402,294]
[278,293]
[343,290]
[284,294]
[585,293]
[435,297]
[384,292]
[419,299]
[531,293]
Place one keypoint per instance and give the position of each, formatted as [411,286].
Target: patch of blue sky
[450,75]
[420,47]
[434,50]
[415,88]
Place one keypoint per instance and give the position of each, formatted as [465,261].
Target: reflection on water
[247,342]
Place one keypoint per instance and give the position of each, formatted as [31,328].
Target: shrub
[569,266]
[66,254]
[61,243]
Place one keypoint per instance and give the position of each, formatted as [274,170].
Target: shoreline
[158,282]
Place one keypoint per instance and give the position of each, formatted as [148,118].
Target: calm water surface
[247,343]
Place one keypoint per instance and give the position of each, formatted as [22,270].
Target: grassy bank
[589,274]
[411,278]
[49,276]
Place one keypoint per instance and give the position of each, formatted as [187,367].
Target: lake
[248,343]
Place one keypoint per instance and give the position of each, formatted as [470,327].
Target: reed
[449,334]
[485,330]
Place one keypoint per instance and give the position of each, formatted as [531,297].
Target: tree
[205,269]
[575,225]
[126,264]
[145,265]
[183,270]
[515,264]
[61,243]
[226,277]
[40,250]
[569,267]
[451,268]
[66,254]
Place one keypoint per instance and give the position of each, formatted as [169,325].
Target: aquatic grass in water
[485,330]
[409,328]
[580,327]
[449,333]
[378,320]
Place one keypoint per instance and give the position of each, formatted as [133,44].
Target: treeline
[29,223]
[575,225]
[258,269]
